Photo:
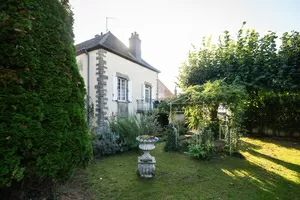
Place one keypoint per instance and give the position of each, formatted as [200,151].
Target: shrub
[128,128]
[172,143]
[182,128]
[42,115]
[148,124]
[201,146]
[106,142]
[201,151]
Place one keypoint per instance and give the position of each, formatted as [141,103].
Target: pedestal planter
[146,162]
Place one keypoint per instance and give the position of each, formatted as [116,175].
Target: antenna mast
[106,22]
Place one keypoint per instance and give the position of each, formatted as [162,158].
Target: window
[147,93]
[122,89]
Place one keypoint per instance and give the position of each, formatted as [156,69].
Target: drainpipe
[88,88]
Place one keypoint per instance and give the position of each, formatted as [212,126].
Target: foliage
[204,100]
[106,142]
[173,143]
[250,60]
[130,127]
[164,107]
[199,151]
[276,111]
[270,75]
[148,124]
[42,115]
[271,171]
[181,128]
[201,145]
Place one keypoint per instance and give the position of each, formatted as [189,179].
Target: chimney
[135,46]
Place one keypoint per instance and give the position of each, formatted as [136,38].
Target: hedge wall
[43,132]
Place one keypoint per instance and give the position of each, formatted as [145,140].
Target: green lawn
[271,170]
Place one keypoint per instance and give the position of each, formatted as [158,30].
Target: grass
[271,170]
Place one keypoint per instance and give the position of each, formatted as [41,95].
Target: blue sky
[167,28]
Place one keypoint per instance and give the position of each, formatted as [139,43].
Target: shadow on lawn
[269,185]
[179,177]
[291,166]
[287,142]
[245,146]
[266,184]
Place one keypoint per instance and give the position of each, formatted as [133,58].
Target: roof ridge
[110,42]
[105,36]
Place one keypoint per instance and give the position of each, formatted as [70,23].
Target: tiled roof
[111,43]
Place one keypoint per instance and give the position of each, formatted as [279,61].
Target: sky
[168,28]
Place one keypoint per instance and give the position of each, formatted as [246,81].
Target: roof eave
[81,51]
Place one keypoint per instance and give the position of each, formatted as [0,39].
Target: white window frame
[122,89]
[148,89]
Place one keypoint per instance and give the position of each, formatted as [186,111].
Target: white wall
[136,73]
[114,63]
[83,59]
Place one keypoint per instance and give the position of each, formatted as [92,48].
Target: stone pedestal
[146,162]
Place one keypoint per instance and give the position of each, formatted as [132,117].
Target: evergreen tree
[43,132]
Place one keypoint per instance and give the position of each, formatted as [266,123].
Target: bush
[201,151]
[202,146]
[182,128]
[42,116]
[128,128]
[172,143]
[106,142]
[148,124]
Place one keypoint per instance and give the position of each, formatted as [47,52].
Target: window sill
[122,101]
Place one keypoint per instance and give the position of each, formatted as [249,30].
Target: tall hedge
[43,132]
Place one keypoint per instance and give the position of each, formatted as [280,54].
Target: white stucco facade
[138,76]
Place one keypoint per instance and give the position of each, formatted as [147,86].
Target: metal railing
[144,106]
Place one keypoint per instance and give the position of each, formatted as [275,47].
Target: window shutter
[115,88]
[153,95]
[143,91]
[130,91]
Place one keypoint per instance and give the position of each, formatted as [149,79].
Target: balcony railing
[144,106]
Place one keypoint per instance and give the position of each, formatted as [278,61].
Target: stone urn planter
[146,162]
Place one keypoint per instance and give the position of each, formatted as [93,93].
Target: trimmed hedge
[43,132]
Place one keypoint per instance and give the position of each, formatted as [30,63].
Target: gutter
[88,88]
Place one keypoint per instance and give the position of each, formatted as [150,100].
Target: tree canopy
[269,72]
[250,60]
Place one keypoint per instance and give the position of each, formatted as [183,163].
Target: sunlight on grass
[280,160]
[288,153]
[270,171]
[228,172]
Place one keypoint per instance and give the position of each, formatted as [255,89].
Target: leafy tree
[268,73]
[42,116]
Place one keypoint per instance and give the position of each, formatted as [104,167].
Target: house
[163,91]
[117,79]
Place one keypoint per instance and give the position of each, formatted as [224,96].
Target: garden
[239,138]
[269,169]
